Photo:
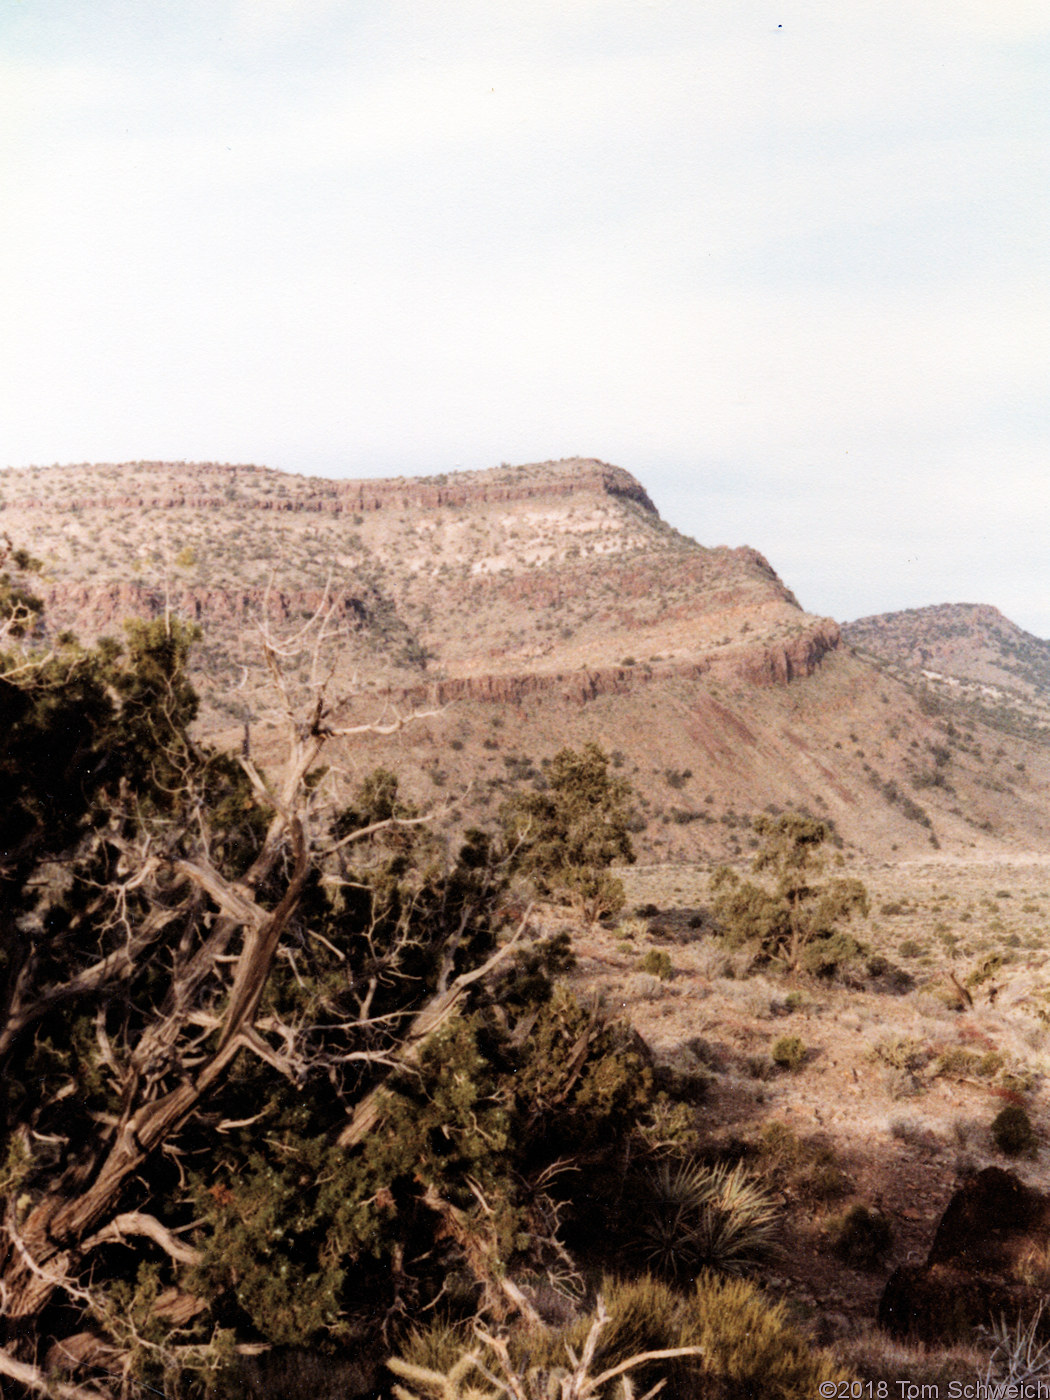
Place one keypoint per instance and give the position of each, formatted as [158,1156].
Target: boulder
[990,1257]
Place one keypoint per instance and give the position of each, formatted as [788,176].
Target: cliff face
[525,574]
[529,608]
[778,664]
[93,609]
[211,486]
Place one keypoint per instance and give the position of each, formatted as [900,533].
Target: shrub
[799,912]
[695,1217]
[1012,1130]
[657,963]
[750,1346]
[789,1052]
[861,1237]
[635,1317]
[566,837]
[803,1167]
[904,1053]
[830,953]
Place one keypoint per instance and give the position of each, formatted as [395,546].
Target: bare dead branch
[139,1223]
[39,1383]
[426,1021]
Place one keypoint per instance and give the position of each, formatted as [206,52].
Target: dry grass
[842,1129]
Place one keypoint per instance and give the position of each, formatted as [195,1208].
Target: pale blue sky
[786,262]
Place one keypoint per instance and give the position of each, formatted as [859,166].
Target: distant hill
[971,655]
[537,569]
[533,606]
[969,640]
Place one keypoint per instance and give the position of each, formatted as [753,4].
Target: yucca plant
[698,1217]
[1019,1350]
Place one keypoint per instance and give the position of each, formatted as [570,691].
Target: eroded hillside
[531,606]
[968,655]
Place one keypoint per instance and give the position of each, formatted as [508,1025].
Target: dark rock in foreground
[989,1258]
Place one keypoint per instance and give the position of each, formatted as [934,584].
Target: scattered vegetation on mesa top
[796,920]
[566,837]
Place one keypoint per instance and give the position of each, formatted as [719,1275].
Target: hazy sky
[786,262]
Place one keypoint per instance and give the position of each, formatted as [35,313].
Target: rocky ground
[903,1075]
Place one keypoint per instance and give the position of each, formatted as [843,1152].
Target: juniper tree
[797,918]
[265,1062]
[568,835]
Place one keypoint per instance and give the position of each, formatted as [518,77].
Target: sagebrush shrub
[789,1052]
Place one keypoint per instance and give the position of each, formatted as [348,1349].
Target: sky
[784,260]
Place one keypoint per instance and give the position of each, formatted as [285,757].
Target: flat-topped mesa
[572,476]
[540,571]
[211,486]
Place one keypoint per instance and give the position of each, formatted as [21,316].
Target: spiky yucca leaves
[700,1217]
[1020,1350]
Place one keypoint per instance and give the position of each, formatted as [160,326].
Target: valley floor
[908,1058]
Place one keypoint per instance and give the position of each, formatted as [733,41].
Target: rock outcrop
[318,495]
[988,1259]
[553,592]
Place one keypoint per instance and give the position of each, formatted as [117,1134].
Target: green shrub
[750,1346]
[566,837]
[657,963]
[694,1217]
[904,1054]
[789,1052]
[798,912]
[861,1237]
[803,1167]
[829,953]
[747,1347]
[1012,1131]
[643,1315]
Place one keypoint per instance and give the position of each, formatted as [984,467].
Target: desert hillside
[535,606]
[969,654]
[861,1087]
[538,568]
